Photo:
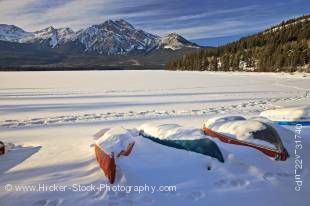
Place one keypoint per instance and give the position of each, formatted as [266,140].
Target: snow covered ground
[50,119]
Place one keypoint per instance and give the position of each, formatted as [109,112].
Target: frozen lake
[49,119]
[41,98]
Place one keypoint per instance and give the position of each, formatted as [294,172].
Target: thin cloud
[192,18]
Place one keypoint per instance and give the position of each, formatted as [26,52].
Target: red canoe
[271,152]
[107,162]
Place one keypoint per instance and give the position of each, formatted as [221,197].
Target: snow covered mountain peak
[45,33]
[118,23]
[12,33]
[175,41]
[124,23]
[47,29]
[116,37]
[52,35]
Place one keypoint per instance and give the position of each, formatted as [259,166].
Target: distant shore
[112,68]
[77,68]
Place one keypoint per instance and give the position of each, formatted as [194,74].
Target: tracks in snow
[252,106]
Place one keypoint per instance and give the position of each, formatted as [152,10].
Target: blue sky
[207,22]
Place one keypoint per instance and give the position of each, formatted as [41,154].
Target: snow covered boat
[116,143]
[175,136]
[111,144]
[252,133]
[289,115]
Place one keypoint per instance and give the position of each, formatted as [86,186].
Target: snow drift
[288,115]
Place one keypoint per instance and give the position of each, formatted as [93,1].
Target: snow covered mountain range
[112,37]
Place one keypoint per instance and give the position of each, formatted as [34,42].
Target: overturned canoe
[106,163]
[203,146]
[251,133]
[110,145]
[293,123]
[189,139]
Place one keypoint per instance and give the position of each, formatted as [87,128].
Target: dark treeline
[285,47]
[76,68]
